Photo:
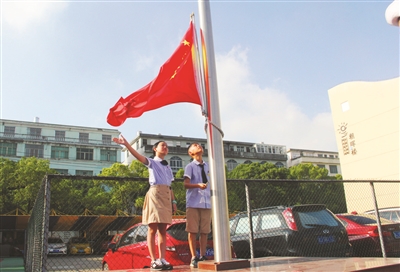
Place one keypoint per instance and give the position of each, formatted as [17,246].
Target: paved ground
[272,264]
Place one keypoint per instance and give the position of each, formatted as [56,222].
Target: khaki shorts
[198,220]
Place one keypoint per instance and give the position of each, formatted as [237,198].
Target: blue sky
[68,62]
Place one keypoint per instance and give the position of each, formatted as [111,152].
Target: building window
[84,154]
[83,173]
[59,152]
[320,155]
[260,149]
[333,169]
[144,142]
[321,165]
[34,150]
[279,165]
[34,133]
[248,162]
[83,137]
[60,135]
[108,155]
[240,148]
[106,139]
[9,131]
[175,163]
[231,164]
[62,171]
[8,149]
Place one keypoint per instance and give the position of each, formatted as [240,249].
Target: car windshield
[314,219]
[53,240]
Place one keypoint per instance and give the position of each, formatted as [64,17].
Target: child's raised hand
[121,140]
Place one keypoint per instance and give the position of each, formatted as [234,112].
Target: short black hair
[155,146]
[193,144]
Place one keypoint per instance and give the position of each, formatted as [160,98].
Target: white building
[235,152]
[70,149]
[324,159]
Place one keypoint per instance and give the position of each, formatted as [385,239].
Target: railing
[231,154]
[127,194]
[56,139]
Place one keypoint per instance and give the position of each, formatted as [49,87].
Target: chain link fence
[76,217]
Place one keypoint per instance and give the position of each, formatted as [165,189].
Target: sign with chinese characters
[347,139]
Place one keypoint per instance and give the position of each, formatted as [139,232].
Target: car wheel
[105,267]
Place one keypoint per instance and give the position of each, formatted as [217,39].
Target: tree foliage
[264,194]
[20,183]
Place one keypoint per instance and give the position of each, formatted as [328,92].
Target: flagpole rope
[211,123]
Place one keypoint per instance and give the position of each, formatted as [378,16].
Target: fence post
[251,234]
[46,222]
[378,220]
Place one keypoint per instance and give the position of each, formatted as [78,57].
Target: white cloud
[252,113]
[20,15]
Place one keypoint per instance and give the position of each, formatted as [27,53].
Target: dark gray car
[302,230]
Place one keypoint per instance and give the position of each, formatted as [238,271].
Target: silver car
[56,246]
[392,214]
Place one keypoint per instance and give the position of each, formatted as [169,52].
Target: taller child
[157,208]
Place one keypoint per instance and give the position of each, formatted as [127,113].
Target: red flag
[174,83]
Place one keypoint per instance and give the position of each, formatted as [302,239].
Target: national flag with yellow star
[175,83]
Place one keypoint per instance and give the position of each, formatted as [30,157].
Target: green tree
[308,171]
[126,195]
[179,174]
[116,170]
[329,193]
[7,184]
[29,176]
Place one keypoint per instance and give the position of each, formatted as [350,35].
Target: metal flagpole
[219,200]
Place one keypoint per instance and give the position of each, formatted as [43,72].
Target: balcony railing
[230,154]
[56,139]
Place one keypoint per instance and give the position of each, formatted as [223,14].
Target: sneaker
[166,265]
[193,262]
[156,265]
[202,258]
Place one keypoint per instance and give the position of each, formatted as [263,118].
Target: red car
[362,230]
[106,241]
[131,250]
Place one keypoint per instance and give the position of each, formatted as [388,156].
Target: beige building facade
[366,122]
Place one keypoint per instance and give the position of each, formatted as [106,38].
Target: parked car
[116,238]
[302,230]
[79,245]
[131,250]
[100,245]
[392,213]
[363,235]
[56,246]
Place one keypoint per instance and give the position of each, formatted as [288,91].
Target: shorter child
[198,202]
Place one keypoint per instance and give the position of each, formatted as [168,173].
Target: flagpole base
[225,265]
